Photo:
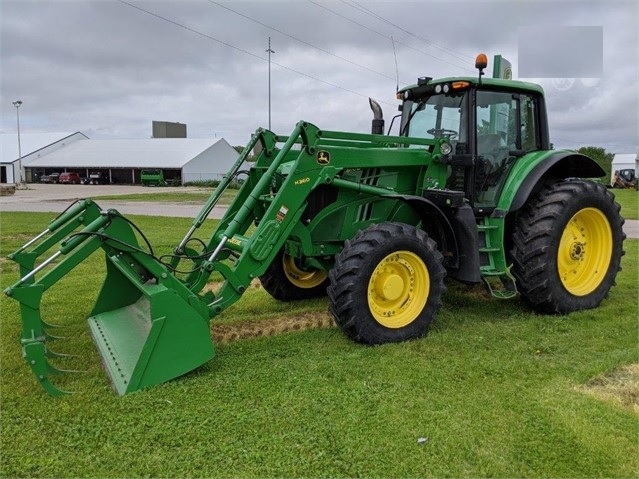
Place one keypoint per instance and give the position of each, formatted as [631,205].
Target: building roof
[140,153]
[625,158]
[29,143]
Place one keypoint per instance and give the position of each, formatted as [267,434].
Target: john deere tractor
[468,189]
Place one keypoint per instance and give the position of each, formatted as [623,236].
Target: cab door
[506,128]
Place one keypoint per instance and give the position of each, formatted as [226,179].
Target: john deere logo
[323,157]
[508,73]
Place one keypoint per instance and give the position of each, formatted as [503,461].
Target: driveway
[55,198]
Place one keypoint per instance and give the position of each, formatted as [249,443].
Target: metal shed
[121,161]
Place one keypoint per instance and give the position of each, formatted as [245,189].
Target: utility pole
[17,104]
[269,51]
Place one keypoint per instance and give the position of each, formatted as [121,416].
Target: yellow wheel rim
[300,278]
[585,251]
[398,289]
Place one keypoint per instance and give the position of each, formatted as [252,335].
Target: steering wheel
[439,132]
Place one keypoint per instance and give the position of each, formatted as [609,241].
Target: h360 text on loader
[468,189]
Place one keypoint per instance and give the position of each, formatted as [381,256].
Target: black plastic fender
[455,232]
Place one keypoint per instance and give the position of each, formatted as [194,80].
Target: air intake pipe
[377,126]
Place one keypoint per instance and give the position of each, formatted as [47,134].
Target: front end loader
[468,189]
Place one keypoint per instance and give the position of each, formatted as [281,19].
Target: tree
[240,149]
[600,156]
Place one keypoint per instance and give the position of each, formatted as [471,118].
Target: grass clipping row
[222,333]
[620,386]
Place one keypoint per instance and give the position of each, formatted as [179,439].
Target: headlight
[445,148]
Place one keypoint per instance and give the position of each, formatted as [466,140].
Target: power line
[300,40]
[385,36]
[209,37]
[458,55]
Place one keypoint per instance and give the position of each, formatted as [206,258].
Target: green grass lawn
[629,201]
[493,390]
[192,197]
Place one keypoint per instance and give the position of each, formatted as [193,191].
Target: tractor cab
[489,124]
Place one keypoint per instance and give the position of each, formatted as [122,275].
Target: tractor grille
[370,177]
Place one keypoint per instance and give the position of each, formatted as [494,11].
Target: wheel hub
[389,286]
[578,250]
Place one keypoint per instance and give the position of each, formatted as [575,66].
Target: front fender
[455,232]
[532,169]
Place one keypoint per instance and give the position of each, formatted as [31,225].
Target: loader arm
[273,214]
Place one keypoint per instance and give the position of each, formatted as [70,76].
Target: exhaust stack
[377,126]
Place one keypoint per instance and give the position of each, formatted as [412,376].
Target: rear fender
[532,171]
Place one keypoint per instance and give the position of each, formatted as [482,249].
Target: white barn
[182,159]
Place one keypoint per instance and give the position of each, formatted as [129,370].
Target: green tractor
[152,178]
[468,189]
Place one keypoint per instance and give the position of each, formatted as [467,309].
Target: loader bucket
[147,332]
[148,327]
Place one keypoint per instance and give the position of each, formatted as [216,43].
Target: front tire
[567,247]
[387,283]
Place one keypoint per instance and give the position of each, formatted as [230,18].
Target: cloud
[107,68]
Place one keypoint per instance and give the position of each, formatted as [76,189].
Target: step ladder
[495,273]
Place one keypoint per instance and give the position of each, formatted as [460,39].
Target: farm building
[32,147]
[122,161]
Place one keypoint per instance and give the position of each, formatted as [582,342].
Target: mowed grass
[198,196]
[493,390]
[629,201]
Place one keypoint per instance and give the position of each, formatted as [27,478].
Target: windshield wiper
[420,106]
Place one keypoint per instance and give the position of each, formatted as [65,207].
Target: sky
[108,68]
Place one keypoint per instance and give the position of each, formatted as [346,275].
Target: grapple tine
[35,354]
[53,337]
[55,355]
[50,325]
[53,390]
[51,369]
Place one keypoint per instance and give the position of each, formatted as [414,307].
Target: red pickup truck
[72,178]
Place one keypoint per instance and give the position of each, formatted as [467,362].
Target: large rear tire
[567,247]
[386,285]
[286,280]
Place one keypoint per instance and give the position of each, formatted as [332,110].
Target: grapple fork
[148,327]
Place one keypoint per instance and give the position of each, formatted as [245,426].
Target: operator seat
[488,146]
[492,154]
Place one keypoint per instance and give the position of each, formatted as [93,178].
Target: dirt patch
[620,386]
[226,333]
